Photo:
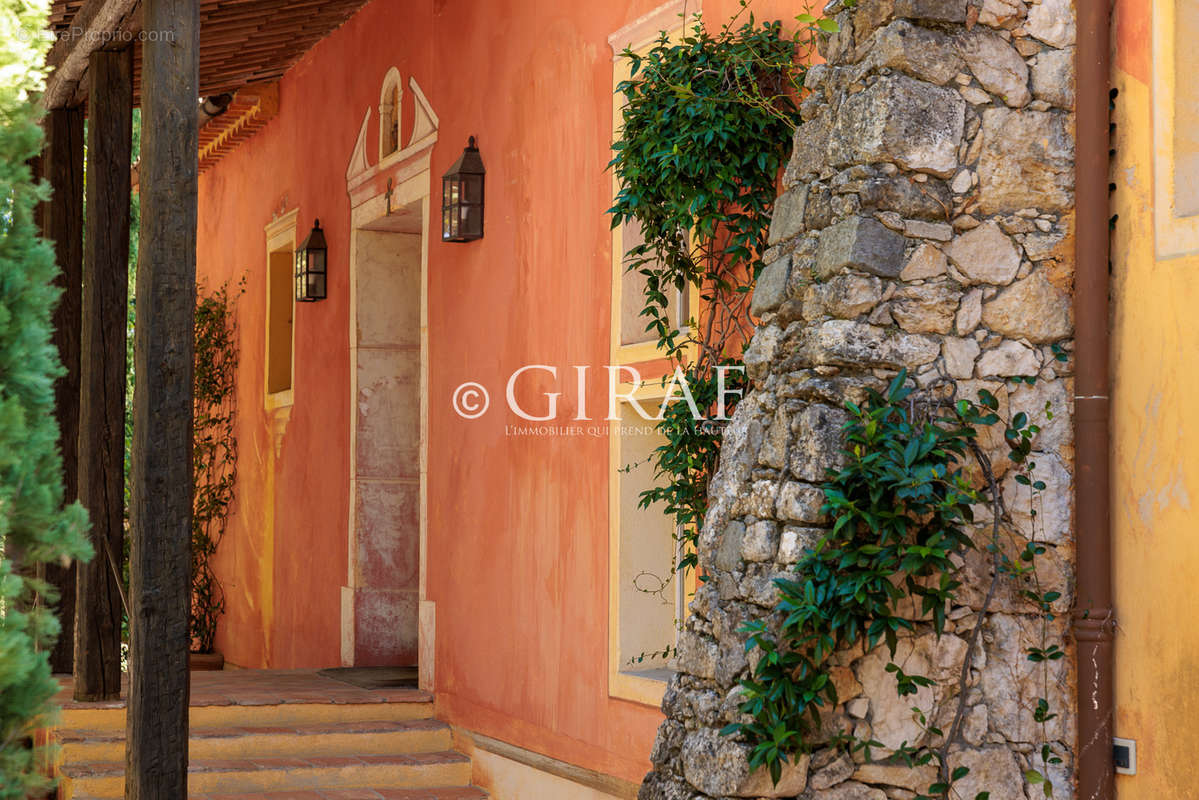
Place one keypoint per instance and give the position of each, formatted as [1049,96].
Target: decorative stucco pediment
[422,136]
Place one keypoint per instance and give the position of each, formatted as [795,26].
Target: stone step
[435,793]
[372,737]
[285,776]
[96,717]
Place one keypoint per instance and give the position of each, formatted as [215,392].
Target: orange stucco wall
[1155,455]
[517,546]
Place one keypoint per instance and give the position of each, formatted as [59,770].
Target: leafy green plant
[35,529]
[705,130]
[902,506]
[214,455]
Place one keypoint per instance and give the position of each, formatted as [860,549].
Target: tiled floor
[262,687]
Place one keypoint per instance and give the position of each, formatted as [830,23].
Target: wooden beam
[161,462]
[62,223]
[96,26]
[102,374]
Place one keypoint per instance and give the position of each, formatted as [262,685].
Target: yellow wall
[1156,425]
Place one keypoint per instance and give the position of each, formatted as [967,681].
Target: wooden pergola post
[98,611]
[62,223]
[161,463]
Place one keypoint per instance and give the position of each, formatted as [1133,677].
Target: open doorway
[381,602]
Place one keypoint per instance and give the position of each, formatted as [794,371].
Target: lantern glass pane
[472,221]
[316,286]
[472,188]
[316,261]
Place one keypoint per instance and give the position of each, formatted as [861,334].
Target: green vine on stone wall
[214,455]
[902,506]
[705,130]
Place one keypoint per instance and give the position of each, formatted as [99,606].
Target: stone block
[837,771]
[906,197]
[920,52]
[925,262]
[970,313]
[919,229]
[787,219]
[1032,309]
[858,344]
[759,500]
[761,541]
[1011,683]
[1009,359]
[770,290]
[668,743]
[718,766]
[1054,519]
[873,14]
[801,502]
[773,452]
[760,354]
[388,413]
[898,119]
[664,786]
[1002,13]
[808,148]
[985,255]
[794,542]
[1027,161]
[1042,246]
[926,308]
[859,243]
[997,65]
[697,655]
[387,534]
[819,442]
[1053,77]
[1052,22]
[960,355]
[891,715]
[914,779]
[728,552]
[819,211]
[1032,400]
[847,295]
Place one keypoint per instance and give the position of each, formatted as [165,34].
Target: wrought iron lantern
[462,197]
[312,267]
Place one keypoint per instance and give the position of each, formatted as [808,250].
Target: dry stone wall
[926,224]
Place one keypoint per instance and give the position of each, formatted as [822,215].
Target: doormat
[374,677]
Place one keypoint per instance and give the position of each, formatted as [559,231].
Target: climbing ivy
[214,455]
[902,510]
[705,130]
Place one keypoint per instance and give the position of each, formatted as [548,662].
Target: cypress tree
[34,527]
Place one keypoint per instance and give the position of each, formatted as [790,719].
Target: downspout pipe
[1094,617]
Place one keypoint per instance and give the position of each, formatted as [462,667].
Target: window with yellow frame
[647,598]
[280,309]
[1175,119]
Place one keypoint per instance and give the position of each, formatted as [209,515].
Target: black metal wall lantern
[462,197]
[312,266]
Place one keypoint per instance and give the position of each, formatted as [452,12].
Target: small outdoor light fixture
[462,197]
[311,266]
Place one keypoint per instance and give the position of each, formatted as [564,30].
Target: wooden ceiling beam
[241,41]
[96,26]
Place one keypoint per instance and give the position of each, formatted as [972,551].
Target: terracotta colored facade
[514,574]
[1155,457]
